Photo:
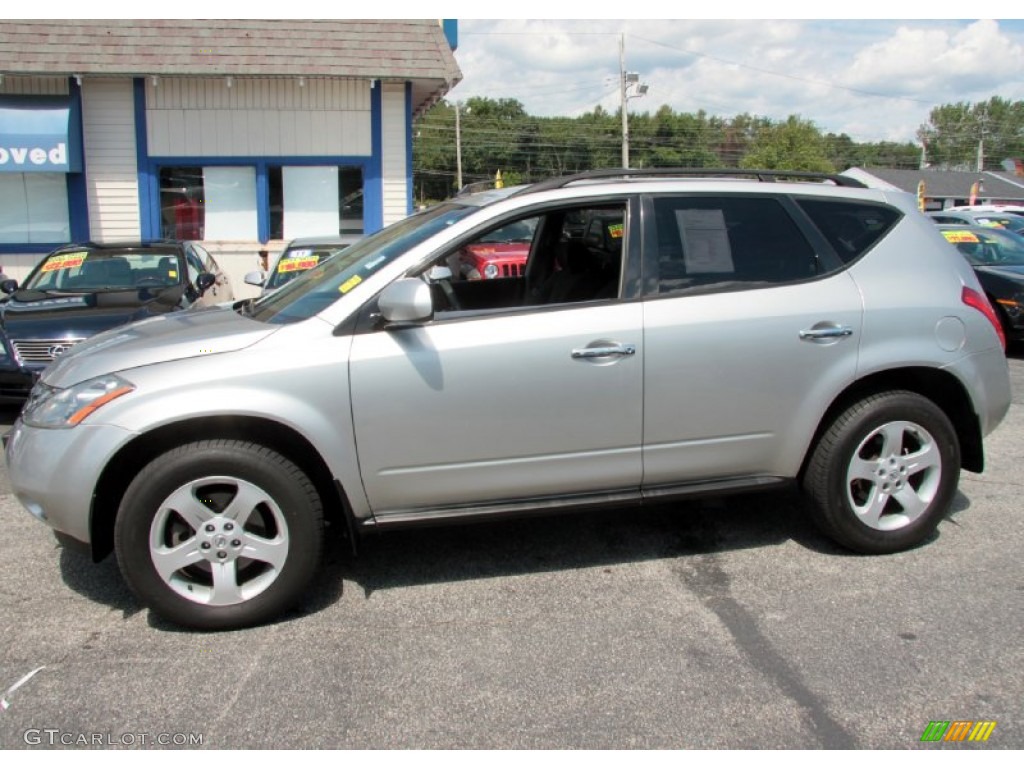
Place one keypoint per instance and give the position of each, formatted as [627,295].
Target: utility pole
[458,149]
[622,93]
[627,79]
[981,143]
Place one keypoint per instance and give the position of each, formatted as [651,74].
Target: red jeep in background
[501,253]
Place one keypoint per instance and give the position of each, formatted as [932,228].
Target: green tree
[794,145]
[954,132]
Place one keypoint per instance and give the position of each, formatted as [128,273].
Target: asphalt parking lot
[724,624]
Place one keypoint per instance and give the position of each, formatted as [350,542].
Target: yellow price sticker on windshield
[960,237]
[64,261]
[615,230]
[297,264]
[351,283]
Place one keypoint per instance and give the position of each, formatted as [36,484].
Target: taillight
[980,302]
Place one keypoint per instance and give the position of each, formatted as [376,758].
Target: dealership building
[241,134]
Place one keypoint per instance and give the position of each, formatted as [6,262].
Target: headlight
[491,271]
[52,408]
[1012,306]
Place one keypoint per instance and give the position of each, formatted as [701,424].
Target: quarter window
[851,228]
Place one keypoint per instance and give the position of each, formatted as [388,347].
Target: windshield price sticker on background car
[297,263]
[615,230]
[961,237]
[64,261]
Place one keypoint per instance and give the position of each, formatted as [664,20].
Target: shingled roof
[946,184]
[414,49]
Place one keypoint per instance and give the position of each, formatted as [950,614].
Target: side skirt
[630,497]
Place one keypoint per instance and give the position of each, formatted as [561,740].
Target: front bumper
[15,384]
[54,472]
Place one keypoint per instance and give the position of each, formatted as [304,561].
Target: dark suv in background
[79,290]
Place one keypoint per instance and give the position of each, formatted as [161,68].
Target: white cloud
[872,79]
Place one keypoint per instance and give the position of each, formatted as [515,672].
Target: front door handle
[826,332]
[621,350]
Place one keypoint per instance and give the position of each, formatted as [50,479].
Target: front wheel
[219,534]
[884,473]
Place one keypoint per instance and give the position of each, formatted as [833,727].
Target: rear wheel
[884,474]
[219,534]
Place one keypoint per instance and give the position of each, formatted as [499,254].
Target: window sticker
[65,261]
[172,273]
[705,241]
[297,263]
[957,236]
[615,231]
[351,283]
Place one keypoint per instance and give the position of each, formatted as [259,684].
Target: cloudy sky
[870,78]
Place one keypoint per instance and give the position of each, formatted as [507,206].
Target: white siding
[190,117]
[394,158]
[22,85]
[111,173]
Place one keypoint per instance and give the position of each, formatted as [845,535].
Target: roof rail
[630,173]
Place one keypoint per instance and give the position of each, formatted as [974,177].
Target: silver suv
[669,334]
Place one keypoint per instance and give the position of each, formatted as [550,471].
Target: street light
[630,87]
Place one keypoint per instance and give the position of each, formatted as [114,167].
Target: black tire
[884,473]
[236,528]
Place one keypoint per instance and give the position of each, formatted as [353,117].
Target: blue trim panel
[263,202]
[408,147]
[149,227]
[78,192]
[30,247]
[373,183]
[451,31]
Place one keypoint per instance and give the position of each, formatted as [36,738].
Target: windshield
[295,261]
[320,286]
[86,270]
[990,248]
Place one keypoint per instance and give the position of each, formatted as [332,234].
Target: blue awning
[39,134]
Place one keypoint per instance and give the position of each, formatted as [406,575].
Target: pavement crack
[705,578]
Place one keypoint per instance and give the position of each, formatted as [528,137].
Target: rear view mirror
[205,281]
[254,278]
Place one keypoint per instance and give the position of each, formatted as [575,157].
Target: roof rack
[630,173]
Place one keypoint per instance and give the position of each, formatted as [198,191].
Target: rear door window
[726,243]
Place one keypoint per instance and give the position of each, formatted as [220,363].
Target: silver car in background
[671,333]
[300,254]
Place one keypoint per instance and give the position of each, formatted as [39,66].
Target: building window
[220,202]
[208,203]
[34,208]
[182,203]
[310,201]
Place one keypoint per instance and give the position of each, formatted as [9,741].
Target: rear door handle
[621,350]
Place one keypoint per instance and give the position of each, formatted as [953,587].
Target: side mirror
[205,282]
[438,273]
[9,286]
[406,301]
[254,278]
